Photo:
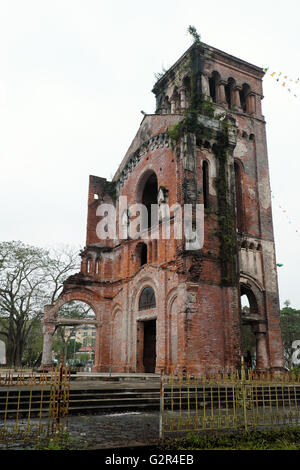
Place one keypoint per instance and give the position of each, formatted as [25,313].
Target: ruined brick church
[162,307]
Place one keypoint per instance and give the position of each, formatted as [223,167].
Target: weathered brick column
[262,360]
[49,327]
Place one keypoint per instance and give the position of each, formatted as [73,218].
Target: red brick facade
[194,321]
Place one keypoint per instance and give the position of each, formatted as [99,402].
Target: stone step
[100,400]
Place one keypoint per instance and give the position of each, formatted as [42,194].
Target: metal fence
[240,400]
[33,407]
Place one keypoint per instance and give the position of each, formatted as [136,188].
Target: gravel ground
[91,432]
[115,430]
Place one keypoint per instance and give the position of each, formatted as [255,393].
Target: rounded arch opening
[249,303]
[244,92]
[75,335]
[73,309]
[213,86]
[147,299]
[187,86]
[146,328]
[229,90]
[147,194]
[166,105]
[176,100]
[249,306]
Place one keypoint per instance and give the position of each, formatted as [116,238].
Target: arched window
[149,200]
[244,92]
[176,100]
[147,299]
[248,300]
[205,184]
[239,198]
[166,108]
[229,91]
[97,267]
[89,265]
[213,86]
[187,86]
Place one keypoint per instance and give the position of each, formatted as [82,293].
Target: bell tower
[221,141]
[168,303]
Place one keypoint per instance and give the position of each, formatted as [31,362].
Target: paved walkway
[108,431]
[115,430]
[125,429]
[96,432]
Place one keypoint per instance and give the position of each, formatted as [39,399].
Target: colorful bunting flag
[284,211]
[279,75]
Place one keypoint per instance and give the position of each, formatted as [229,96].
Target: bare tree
[64,261]
[30,277]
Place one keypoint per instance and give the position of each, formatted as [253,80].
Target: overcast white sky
[74,76]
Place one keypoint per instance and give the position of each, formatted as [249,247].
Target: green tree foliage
[65,344]
[64,338]
[193,32]
[34,345]
[30,278]
[290,328]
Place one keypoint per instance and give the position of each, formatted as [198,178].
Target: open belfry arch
[52,320]
[159,304]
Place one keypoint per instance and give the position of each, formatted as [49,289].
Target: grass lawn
[281,439]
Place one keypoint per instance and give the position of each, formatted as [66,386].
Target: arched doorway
[75,335]
[253,328]
[69,325]
[146,333]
